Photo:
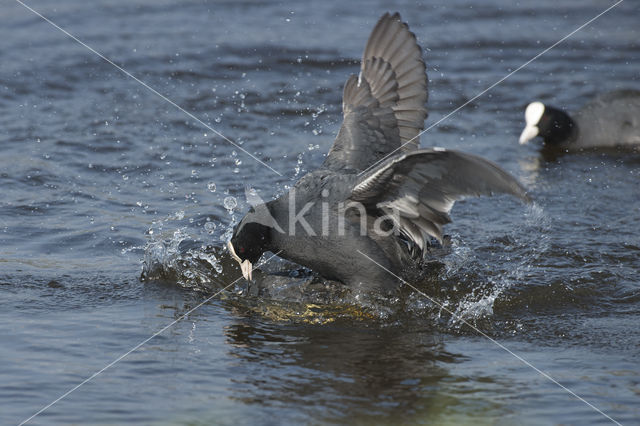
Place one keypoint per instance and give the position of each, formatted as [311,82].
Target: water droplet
[210,227]
[211,186]
[230,203]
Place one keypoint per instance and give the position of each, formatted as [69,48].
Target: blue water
[104,182]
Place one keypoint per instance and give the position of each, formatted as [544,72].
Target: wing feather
[392,86]
[418,189]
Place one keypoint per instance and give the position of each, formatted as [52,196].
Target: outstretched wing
[384,106]
[417,189]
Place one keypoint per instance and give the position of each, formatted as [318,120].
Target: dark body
[369,211]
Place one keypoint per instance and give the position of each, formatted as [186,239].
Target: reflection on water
[343,371]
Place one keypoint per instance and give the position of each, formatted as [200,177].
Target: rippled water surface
[115,207]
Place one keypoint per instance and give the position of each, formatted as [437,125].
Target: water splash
[522,250]
[181,259]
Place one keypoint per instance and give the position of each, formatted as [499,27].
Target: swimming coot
[609,120]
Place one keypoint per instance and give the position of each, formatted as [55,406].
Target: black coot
[609,120]
[376,195]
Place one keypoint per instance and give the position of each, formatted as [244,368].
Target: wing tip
[527,198]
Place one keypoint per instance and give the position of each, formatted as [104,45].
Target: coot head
[552,124]
[251,237]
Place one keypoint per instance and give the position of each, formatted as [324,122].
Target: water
[102,180]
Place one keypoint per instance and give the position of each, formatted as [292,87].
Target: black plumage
[611,119]
[376,193]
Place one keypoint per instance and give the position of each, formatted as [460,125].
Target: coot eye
[241,250]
